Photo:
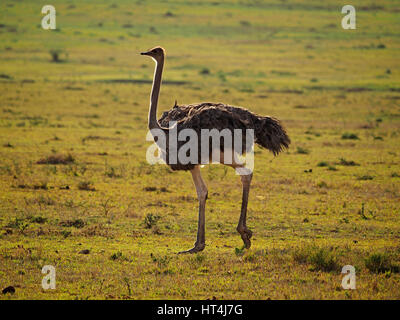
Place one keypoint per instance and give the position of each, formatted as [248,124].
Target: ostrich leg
[242,228]
[202,192]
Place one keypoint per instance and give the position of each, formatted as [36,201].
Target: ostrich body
[268,133]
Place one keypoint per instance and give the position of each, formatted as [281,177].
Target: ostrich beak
[145,53]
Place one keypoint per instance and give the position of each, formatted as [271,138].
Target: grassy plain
[332,199]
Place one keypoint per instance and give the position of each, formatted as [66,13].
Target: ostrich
[268,133]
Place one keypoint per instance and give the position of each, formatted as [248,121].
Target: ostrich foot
[246,235]
[197,248]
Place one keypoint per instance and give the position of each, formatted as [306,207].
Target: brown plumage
[268,133]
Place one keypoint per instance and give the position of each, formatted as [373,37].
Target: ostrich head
[156,53]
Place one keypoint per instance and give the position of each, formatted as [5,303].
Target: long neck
[155,92]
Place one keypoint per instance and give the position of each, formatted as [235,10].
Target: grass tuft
[86,185]
[57,159]
[381,263]
[350,136]
[320,259]
[344,162]
[77,223]
[301,150]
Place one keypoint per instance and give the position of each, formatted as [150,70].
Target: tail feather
[270,134]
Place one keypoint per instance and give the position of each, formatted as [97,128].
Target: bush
[38,219]
[380,263]
[300,255]
[322,164]
[324,260]
[204,71]
[321,259]
[57,159]
[77,223]
[56,55]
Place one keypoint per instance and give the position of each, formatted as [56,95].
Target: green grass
[381,263]
[319,259]
[77,192]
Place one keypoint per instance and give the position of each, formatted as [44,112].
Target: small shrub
[321,259]
[380,263]
[65,233]
[204,71]
[169,14]
[38,219]
[5,76]
[77,223]
[107,205]
[322,164]
[350,136]
[56,55]
[19,224]
[57,159]
[324,260]
[345,162]
[300,255]
[116,256]
[42,185]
